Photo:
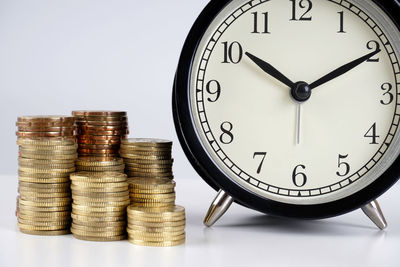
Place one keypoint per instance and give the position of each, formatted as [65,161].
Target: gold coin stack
[159,227]
[99,205]
[47,154]
[147,158]
[105,164]
[100,132]
[152,192]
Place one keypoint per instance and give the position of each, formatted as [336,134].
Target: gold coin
[50,148]
[43,195]
[67,153]
[147,142]
[149,175]
[151,183]
[102,162]
[96,200]
[45,124]
[156,224]
[42,228]
[152,200]
[148,166]
[80,189]
[43,175]
[43,181]
[33,218]
[46,233]
[45,204]
[89,178]
[44,224]
[45,163]
[150,171]
[85,185]
[41,128]
[101,195]
[157,244]
[45,141]
[101,225]
[145,150]
[119,169]
[102,214]
[46,215]
[156,237]
[91,228]
[152,196]
[155,219]
[148,153]
[24,208]
[97,234]
[101,239]
[150,191]
[152,204]
[170,229]
[157,213]
[55,186]
[42,156]
[105,203]
[97,209]
[46,170]
[102,219]
[45,200]
[149,162]
[144,157]
[62,190]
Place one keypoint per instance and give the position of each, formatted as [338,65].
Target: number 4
[372,134]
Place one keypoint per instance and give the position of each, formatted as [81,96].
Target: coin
[102,162]
[99,219]
[46,134]
[100,113]
[87,185]
[102,132]
[152,196]
[159,213]
[150,171]
[116,224]
[101,214]
[39,162]
[75,188]
[46,215]
[120,168]
[147,142]
[157,244]
[88,122]
[43,141]
[93,200]
[46,233]
[152,204]
[48,152]
[148,166]
[164,175]
[37,128]
[101,195]
[34,194]
[104,204]
[58,156]
[45,201]
[102,239]
[97,155]
[23,208]
[132,227]
[144,157]
[148,162]
[44,224]
[156,237]
[97,209]
[96,234]
[41,228]
[98,146]
[46,119]
[43,180]
[55,186]
[64,203]
[151,183]
[94,229]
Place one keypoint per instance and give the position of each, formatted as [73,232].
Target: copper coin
[91,146]
[100,132]
[46,119]
[101,123]
[101,118]
[82,155]
[99,142]
[98,137]
[46,134]
[97,151]
[98,113]
[45,124]
[103,127]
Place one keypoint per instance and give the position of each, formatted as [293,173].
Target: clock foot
[374,212]
[218,207]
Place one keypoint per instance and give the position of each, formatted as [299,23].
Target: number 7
[263,154]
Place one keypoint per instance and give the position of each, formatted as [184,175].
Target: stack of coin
[152,192]
[95,164]
[148,158]
[156,227]
[47,154]
[99,205]
[100,132]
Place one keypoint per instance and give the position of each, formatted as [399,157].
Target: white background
[57,56]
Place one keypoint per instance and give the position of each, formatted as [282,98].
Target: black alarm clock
[292,107]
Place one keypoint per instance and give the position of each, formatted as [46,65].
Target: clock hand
[268,68]
[342,70]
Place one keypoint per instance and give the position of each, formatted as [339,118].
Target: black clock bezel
[204,166]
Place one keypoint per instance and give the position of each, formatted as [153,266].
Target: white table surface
[241,238]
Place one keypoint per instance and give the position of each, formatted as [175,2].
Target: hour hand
[268,68]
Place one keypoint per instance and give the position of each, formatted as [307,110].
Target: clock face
[321,147]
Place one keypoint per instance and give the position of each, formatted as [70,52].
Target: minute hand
[342,70]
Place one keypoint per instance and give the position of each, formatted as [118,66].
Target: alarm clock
[292,107]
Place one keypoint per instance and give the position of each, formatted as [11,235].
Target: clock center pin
[301,91]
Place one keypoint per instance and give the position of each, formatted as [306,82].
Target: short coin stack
[47,153]
[147,158]
[100,132]
[152,192]
[99,205]
[105,164]
[156,227]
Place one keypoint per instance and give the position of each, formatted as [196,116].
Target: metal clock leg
[218,207]
[374,212]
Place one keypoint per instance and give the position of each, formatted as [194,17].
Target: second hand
[298,123]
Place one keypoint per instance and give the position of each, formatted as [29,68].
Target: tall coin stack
[99,205]
[147,158]
[47,154]
[100,132]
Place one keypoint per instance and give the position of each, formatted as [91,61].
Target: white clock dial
[248,121]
